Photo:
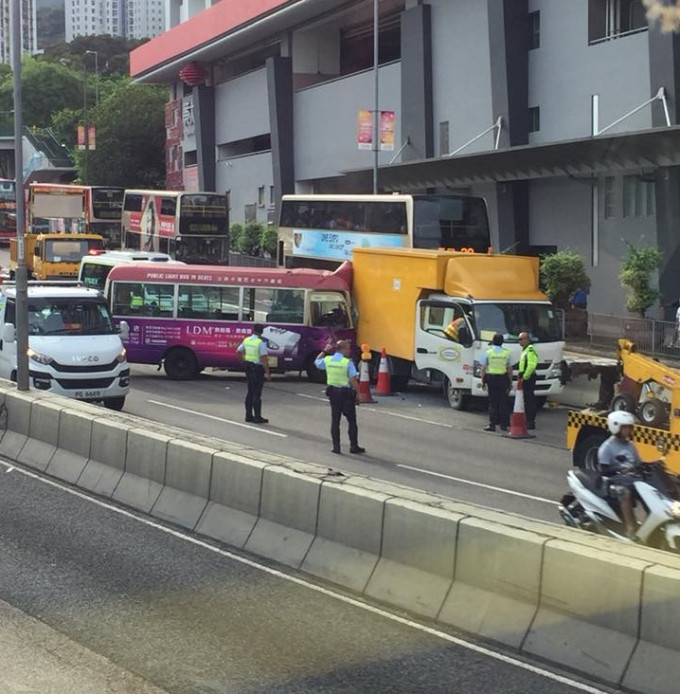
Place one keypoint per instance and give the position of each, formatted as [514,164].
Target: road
[413,438]
[161,609]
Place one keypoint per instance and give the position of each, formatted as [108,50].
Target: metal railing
[243,260]
[654,337]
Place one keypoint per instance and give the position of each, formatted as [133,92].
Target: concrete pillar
[204,117]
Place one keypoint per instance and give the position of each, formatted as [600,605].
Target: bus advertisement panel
[323,230]
[195,316]
[191,227]
[8,208]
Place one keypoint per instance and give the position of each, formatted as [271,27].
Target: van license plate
[88,394]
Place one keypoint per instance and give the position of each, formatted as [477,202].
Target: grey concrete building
[584,92]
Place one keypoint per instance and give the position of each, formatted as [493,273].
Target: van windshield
[69,316]
[510,319]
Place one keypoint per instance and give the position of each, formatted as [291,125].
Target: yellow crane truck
[649,389]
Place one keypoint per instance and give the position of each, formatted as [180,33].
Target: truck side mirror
[464,336]
[124,330]
[8,333]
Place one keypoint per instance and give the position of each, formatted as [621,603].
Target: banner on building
[81,137]
[366,125]
[92,137]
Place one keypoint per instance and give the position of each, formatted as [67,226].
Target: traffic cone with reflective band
[383,386]
[364,384]
[518,420]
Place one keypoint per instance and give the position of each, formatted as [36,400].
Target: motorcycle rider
[617,460]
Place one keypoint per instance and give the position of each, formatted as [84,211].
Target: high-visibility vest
[337,372]
[136,301]
[497,361]
[252,348]
[453,327]
[528,362]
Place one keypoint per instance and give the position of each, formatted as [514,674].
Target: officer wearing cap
[254,351]
[496,378]
[526,375]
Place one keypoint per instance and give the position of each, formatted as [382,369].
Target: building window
[609,208]
[272,196]
[260,196]
[610,19]
[534,30]
[356,44]
[639,197]
[534,119]
[444,138]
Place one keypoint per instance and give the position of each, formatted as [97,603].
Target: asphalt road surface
[164,609]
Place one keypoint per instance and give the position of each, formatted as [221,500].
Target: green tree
[130,148]
[635,276]
[64,125]
[235,233]
[562,273]
[249,242]
[269,240]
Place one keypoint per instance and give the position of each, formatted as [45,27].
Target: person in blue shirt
[343,391]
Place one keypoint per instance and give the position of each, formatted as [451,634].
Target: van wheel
[458,399]
[180,364]
[114,403]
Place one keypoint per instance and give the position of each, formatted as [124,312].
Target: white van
[94,269]
[75,348]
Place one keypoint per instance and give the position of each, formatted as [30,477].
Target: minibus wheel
[180,364]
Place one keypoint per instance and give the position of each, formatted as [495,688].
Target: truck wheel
[585,452]
[458,399]
[653,412]
[114,403]
[180,364]
[625,402]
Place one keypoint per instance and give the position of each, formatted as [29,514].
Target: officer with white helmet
[618,459]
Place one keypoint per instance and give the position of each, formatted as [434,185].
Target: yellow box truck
[435,313]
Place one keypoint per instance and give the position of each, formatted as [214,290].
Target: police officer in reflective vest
[528,362]
[254,351]
[343,391]
[496,378]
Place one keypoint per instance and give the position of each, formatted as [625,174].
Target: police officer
[528,362]
[343,392]
[254,351]
[496,377]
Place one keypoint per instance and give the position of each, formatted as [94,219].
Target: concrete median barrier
[184,495]
[18,407]
[43,434]
[288,511]
[416,564]
[589,609]
[348,535]
[496,588]
[73,448]
[144,475]
[234,500]
[106,464]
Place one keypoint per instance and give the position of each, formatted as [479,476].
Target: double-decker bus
[55,207]
[322,230]
[190,317]
[190,227]
[8,209]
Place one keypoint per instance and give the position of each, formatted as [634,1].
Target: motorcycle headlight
[44,359]
[477,369]
[121,356]
[675,510]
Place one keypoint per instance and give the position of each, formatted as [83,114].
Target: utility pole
[21,274]
[376,101]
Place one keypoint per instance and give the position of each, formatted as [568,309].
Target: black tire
[180,364]
[458,399]
[624,402]
[114,403]
[585,452]
[313,374]
[653,412]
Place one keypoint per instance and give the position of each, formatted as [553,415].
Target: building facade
[29,31]
[134,19]
[264,101]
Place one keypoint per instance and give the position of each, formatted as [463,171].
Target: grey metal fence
[242,260]
[655,337]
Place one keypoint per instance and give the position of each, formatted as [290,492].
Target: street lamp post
[96,75]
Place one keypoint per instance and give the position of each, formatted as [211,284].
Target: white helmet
[618,419]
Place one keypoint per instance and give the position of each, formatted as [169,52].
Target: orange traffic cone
[364,384]
[383,386]
[518,421]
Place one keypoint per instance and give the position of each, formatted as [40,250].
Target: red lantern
[193,74]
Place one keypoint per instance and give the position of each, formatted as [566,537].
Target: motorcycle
[590,507]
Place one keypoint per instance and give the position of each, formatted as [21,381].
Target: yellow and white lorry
[407,299]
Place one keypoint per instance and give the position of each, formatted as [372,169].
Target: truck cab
[55,256]
[75,350]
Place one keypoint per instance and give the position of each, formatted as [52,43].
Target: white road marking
[431,631]
[552,502]
[9,469]
[391,414]
[220,419]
